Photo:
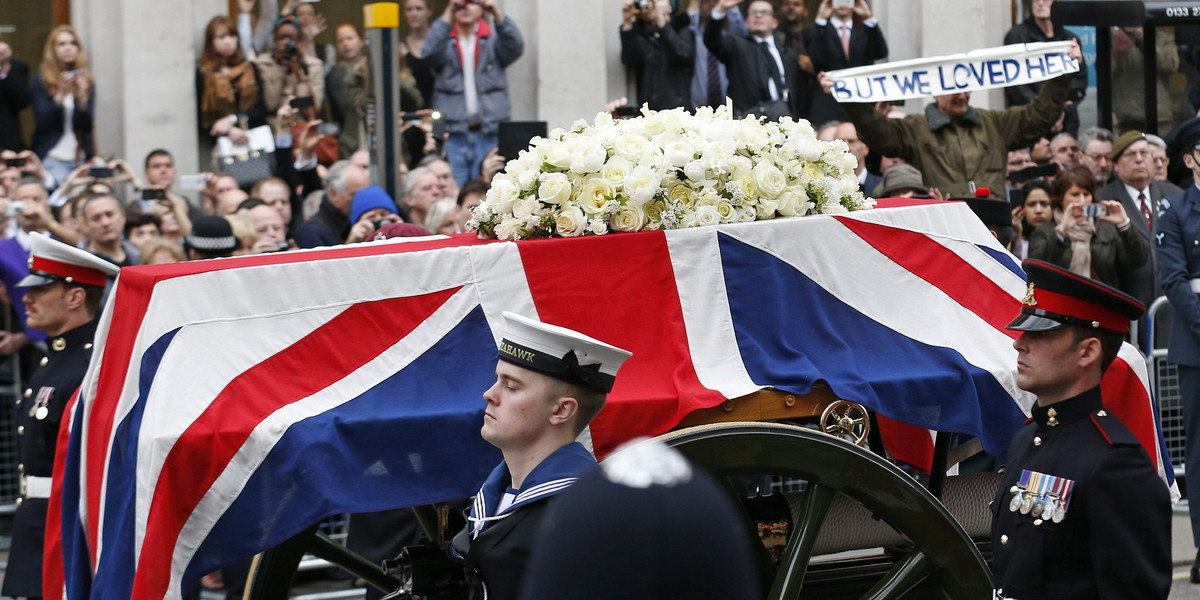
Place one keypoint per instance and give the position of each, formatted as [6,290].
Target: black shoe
[1196,568]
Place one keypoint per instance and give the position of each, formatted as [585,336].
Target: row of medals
[1027,503]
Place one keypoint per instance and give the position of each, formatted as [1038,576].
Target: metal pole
[382,23]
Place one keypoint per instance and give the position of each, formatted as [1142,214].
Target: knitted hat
[368,199]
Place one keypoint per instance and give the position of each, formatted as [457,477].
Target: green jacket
[950,154]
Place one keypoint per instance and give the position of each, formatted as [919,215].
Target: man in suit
[764,77]
[14,97]
[550,383]
[1179,269]
[1141,196]
[845,35]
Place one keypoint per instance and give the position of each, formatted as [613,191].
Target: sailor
[65,286]
[1081,511]
[550,383]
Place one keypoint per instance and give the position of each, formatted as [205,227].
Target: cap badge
[1029,300]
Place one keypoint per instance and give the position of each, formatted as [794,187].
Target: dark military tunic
[50,388]
[1112,538]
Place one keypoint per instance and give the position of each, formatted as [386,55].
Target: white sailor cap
[560,353]
[51,260]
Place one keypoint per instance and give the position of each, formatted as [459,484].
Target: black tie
[714,82]
[773,71]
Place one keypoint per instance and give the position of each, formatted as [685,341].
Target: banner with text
[982,69]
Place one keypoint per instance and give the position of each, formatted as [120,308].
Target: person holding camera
[468,57]
[287,72]
[764,76]
[845,35]
[228,93]
[1092,239]
[63,104]
[661,49]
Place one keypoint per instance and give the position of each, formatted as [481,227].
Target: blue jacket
[48,120]
[494,51]
[1177,244]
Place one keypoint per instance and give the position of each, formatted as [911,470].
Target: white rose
[832,207]
[694,170]
[847,162]
[588,158]
[678,153]
[707,215]
[556,154]
[628,218]
[771,181]
[570,221]
[555,188]
[792,202]
[524,208]
[747,214]
[642,184]
[727,212]
[765,209]
[507,229]
[598,226]
[615,171]
[594,195]
[630,147]
[501,195]
[687,219]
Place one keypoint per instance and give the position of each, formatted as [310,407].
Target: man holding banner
[953,144]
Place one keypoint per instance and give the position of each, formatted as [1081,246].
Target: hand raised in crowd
[308,139]
[493,163]
[825,10]
[1018,221]
[727,5]
[1116,212]
[861,10]
[5,58]
[123,172]
[611,107]
[285,116]
[11,342]
[826,82]
[245,6]
[937,194]
[312,30]
[628,13]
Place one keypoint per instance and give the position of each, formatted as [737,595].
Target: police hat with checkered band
[1056,298]
[560,353]
[51,260]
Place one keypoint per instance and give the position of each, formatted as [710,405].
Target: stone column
[143,54]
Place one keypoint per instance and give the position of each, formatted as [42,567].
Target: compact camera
[291,49]
[15,208]
[1095,210]
[14,163]
[643,4]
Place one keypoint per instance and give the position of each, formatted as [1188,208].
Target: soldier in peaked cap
[1081,512]
[550,383]
[1177,247]
[65,285]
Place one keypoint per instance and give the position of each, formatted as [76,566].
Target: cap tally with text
[1056,298]
[560,353]
[51,260]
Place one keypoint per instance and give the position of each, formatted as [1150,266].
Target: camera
[302,102]
[282,246]
[14,163]
[1095,210]
[428,572]
[329,129]
[100,172]
[643,4]
[843,3]
[290,49]
[15,208]
[154,194]
[380,223]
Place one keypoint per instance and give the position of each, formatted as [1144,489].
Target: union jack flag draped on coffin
[232,403]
